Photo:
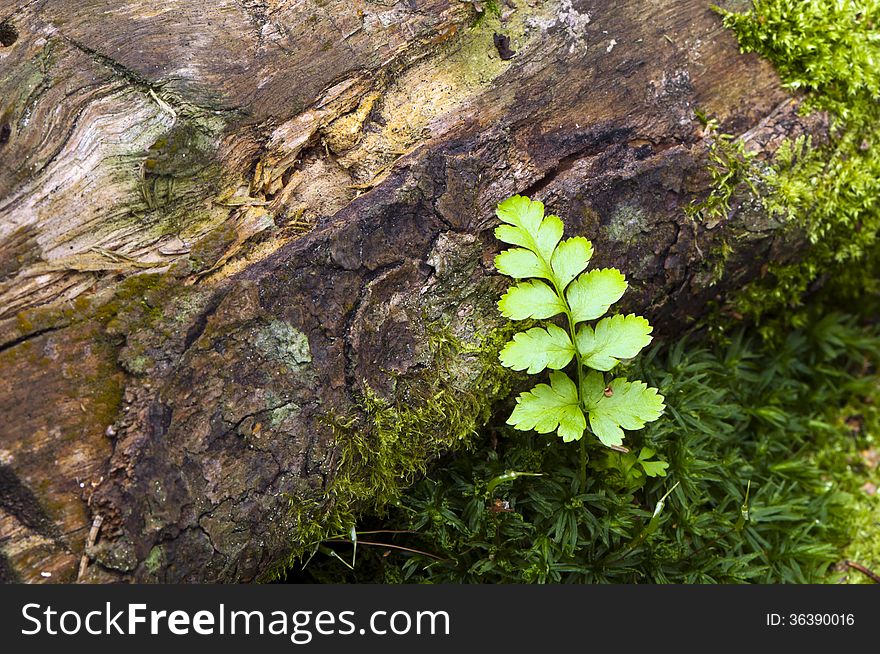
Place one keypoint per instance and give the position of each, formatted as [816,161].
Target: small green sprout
[556,284]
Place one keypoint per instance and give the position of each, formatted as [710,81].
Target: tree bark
[222,223]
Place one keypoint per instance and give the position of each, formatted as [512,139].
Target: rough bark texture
[221,221]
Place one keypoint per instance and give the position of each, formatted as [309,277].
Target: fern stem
[560,292]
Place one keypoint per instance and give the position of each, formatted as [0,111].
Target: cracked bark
[222,222]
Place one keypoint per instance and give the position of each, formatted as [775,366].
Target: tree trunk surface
[223,223]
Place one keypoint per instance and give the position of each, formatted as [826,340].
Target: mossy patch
[389,442]
[831,193]
[131,292]
[852,465]
[155,560]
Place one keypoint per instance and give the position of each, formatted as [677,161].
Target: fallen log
[246,246]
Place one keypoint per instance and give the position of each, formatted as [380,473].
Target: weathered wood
[222,221]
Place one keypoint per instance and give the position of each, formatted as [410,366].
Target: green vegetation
[731,167]
[824,46]
[485,7]
[579,296]
[388,445]
[757,474]
[830,51]
[762,484]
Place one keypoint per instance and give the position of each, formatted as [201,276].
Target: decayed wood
[222,221]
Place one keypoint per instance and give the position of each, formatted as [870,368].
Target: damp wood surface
[221,223]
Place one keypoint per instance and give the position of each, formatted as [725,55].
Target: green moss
[132,290]
[144,311]
[865,546]
[483,8]
[155,560]
[390,442]
[717,260]
[851,465]
[104,388]
[138,291]
[827,47]
[731,167]
[158,302]
[831,193]
[30,321]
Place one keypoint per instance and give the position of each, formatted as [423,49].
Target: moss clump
[390,443]
[158,301]
[102,389]
[827,47]
[731,167]
[829,50]
[851,464]
[132,291]
[155,560]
